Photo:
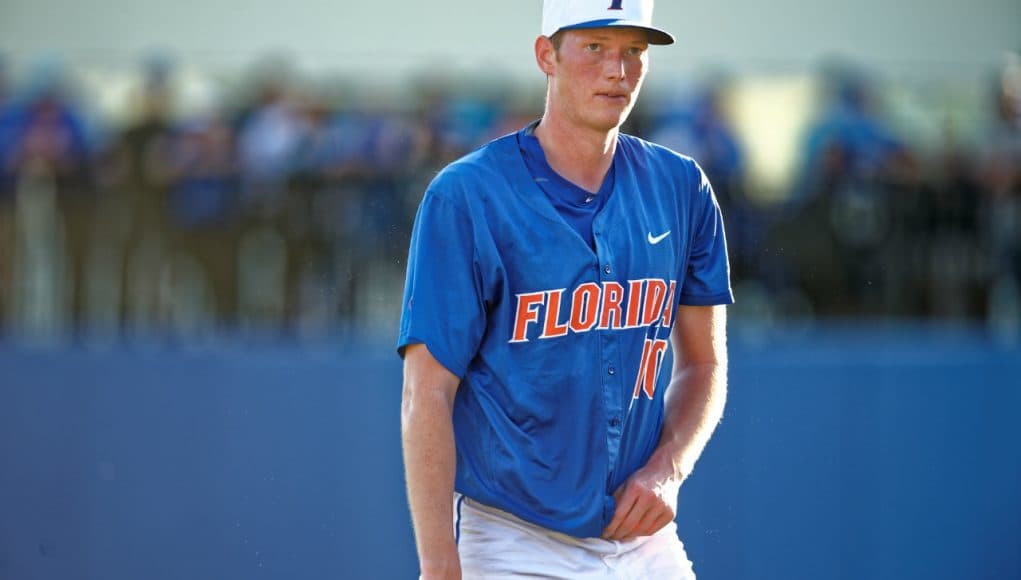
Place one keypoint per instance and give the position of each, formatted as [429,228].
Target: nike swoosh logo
[659,238]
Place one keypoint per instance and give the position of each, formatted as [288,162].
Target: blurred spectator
[310,225]
[7,126]
[458,120]
[203,209]
[9,122]
[205,175]
[48,158]
[393,152]
[696,126]
[1001,178]
[132,224]
[855,170]
[270,133]
[48,134]
[849,142]
[941,223]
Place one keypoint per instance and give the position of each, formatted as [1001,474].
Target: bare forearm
[693,407]
[429,463]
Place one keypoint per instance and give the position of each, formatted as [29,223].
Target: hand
[645,503]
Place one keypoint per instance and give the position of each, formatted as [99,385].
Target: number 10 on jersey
[653,353]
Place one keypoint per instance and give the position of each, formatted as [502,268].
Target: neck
[578,154]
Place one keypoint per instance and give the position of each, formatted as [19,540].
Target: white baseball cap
[571,14]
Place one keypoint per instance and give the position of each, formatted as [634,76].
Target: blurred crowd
[282,211]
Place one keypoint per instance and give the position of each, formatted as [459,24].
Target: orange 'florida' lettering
[608,305]
[655,292]
[611,315]
[584,307]
[551,328]
[526,313]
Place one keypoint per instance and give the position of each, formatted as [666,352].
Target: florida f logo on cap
[569,14]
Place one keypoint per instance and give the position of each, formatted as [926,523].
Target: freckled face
[596,75]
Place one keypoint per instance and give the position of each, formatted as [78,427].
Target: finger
[654,522]
[667,517]
[647,525]
[625,501]
[642,526]
[626,498]
[627,526]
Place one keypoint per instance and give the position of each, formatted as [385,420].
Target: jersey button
[611,370]
[614,422]
[607,269]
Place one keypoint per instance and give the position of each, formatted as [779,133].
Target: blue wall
[843,454]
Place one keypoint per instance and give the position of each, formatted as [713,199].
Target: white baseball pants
[495,545]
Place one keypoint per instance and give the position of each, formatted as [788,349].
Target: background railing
[282,209]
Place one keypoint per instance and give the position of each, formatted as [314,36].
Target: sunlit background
[205,209]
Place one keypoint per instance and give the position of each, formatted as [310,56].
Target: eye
[593,47]
[635,51]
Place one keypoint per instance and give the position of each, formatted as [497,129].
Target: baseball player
[563,328]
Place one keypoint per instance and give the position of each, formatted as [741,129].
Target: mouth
[614,96]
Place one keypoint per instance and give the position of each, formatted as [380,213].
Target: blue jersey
[560,346]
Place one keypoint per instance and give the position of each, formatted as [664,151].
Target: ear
[545,54]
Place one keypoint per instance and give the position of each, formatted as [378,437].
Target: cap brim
[656,36]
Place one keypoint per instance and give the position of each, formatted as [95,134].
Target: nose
[613,65]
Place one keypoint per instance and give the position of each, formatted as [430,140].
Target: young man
[550,272]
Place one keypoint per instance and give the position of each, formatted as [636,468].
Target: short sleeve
[707,279]
[443,306]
